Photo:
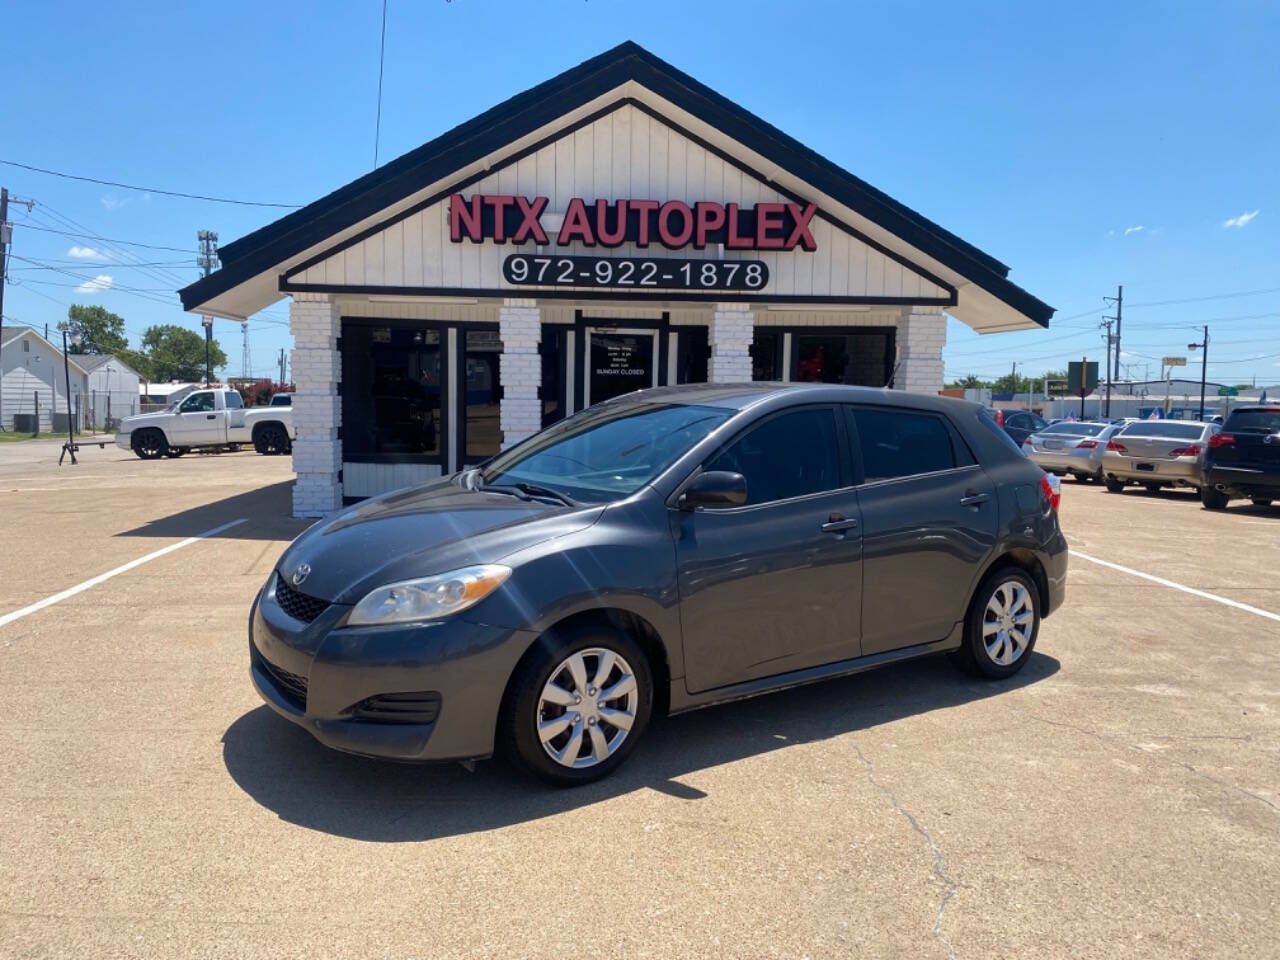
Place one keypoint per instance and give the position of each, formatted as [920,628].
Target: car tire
[270,440]
[1152,487]
[1113,485]
[1213,499]
[1261,501]
[174,452]
[1007,590]
[1097,476]
[588,747]
[148,444]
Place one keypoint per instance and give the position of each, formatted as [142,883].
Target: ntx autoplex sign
[673,224]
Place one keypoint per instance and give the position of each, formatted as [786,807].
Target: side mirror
[715,488]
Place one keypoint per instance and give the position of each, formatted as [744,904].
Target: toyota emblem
[303,571]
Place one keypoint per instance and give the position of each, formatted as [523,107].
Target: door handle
[972,499]
[211,416]
[838,523]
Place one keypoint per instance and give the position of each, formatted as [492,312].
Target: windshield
[606,452]
[1076,429]
[1263,421]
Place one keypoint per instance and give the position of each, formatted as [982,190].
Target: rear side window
[988,420]
[1164,429]
[232,399]
[786,456]
[902,443]
[1262,421]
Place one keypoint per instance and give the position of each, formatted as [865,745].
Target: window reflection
[391,391]
[483,395]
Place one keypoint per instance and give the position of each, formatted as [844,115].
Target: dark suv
[664,550]
[1243,459]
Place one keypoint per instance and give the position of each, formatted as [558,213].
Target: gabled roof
[9,335]
[272,245]
[92,361]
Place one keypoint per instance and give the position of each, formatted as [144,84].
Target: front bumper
[316,674]
[124,441]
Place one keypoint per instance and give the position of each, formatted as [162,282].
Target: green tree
[176,353]
[100,330]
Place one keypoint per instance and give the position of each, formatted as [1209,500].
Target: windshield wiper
[528,491]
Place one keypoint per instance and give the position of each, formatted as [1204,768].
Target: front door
[618,361]
[774,585]
[199,423]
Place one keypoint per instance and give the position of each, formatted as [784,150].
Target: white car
[207,418]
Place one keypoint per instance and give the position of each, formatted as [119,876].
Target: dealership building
[619,226]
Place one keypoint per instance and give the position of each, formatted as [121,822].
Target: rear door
[929,518]
[773,585]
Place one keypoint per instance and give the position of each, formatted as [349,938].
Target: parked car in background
[1072,447]
[1156,454]
[1243,459]
[1018,424]
[282,400]
[666,550]
[207,419]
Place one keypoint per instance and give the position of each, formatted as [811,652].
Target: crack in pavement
[939,861]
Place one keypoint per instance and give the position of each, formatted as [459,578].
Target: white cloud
[98,284]
[85,253]
[112,202]
[1111,233]
[1138,229]
[1242,220]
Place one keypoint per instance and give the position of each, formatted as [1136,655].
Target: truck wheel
[149,444]
[270,440]
[1213,499]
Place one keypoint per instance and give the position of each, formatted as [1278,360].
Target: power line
[89,236]
[382,52]
[167,193]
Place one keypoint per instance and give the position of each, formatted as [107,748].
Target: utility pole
[1203,347]
[1107,323]
[245,365]
[207,261]
[282,380]
[1118,300]
[6,236]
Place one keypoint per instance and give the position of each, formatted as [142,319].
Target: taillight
[1000,417]
[1221,440]
[1117,447]
[1191,451]
[1087,444]
[1051,487]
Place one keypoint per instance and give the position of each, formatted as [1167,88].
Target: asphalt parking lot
[1120,797]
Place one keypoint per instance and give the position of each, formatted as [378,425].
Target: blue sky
[1085,145]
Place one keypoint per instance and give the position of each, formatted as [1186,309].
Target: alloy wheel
[1007,623]
[587,708]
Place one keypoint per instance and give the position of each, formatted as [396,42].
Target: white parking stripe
[1178,586]
[93,582]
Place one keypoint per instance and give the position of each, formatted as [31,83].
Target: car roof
[740,396]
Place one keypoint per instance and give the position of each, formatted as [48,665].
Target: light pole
[208,337]
[1203,347]
[70,446]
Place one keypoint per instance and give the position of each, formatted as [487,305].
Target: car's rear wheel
[1152,487]
[271,439]
[149,444]
[1213,499]
[577,705]
[1261,501]
[1002,624]
[1114,485]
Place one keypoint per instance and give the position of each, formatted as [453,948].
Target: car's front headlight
[429,598]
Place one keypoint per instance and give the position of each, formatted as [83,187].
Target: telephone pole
[1107,323]
[207,261]
[245,365]
[1118,300]
[1203,347]
[6,235]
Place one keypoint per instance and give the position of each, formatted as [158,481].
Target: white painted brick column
[520,330]
[922,333]
[317,408]
[732,327]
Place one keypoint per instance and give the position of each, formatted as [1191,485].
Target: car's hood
[424,530]
[141,419]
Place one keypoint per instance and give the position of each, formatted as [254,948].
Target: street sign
[1174,361]
[1228,392]
[1056,388]
[1082,377]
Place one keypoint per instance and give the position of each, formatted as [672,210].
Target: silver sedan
[1157,453]
[1070,446]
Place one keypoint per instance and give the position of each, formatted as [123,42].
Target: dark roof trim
[526,112]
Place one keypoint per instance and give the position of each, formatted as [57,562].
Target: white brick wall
[730,334]
[922,334]
[520,369]
[317,409]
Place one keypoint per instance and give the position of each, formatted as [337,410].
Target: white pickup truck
[207,418]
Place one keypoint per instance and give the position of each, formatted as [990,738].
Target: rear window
[1165,429]
[1262,421]
[233,400]
[895,443]
[988,419]
[1077,429]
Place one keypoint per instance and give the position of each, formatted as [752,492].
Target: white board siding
[371,479]
[624,154]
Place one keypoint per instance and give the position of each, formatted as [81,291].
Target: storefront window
[693,352]
[553,348]
[483,394]
[766,355]
[860,359]
[391,392]
[620,363]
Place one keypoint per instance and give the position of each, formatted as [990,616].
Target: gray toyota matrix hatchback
[664,550]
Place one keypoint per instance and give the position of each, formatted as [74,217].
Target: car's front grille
[290,685]
[298,605]
[420,707]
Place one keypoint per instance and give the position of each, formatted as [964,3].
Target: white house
[619,226]
[33,382]
[112,389]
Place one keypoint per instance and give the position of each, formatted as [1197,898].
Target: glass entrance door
[618,361]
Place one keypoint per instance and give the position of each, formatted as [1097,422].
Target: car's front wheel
[1003,621]
[577,705]
[1114,485]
